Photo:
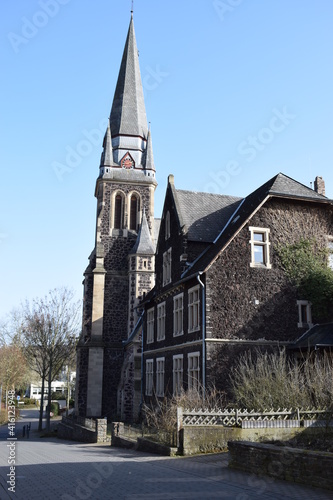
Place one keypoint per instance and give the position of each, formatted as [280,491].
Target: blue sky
[236,91]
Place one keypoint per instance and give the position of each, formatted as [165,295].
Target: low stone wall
[145,444]
[212,438]
[282,462]
[76,432]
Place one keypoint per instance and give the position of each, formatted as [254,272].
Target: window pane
[258,236]
[259,254]
[134,210]
[117,212]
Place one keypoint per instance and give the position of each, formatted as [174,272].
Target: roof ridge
[209,194]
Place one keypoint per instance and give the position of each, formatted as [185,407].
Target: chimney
[319,185]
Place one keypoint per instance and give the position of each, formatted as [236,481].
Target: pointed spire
[144,244]
[128,113]
[107,155]
[148,157]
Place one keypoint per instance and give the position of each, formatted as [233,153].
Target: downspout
[203,303]
[142,336]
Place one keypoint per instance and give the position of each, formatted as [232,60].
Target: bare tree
[14,372]
[13,368]
[49,337]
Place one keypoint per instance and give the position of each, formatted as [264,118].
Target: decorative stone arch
[134,210]
[118,210]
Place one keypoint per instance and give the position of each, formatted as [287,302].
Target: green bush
[55,409]
[58,395]
[29,401]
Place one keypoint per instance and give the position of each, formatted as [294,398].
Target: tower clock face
[127,161]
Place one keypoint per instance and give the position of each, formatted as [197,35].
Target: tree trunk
[48,423]
[67,402]
[40,423]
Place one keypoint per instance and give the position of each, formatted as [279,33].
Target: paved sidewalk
[56,469]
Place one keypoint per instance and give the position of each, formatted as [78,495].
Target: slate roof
[157,224]
[319,336]
[284,185]
[281,186]
[107,154]
[147,156]
[128,113]
[143,244]
[205,213]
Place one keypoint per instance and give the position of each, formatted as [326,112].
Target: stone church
[170,304]
[121,265]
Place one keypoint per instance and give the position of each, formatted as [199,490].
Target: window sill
[178,334]
[260,266]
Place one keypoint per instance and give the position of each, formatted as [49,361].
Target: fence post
[298,415]
[179,423]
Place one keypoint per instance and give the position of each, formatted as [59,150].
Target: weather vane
[132,6]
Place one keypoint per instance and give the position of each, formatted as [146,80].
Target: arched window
[118,211]
[135,207]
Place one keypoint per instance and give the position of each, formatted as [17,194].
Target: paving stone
[48,468]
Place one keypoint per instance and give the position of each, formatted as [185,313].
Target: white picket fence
[280,418]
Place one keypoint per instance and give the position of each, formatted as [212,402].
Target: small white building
[34,391]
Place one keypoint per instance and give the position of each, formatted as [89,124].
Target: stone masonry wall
[82,379]
[113,360]
[301,466]
[256,303]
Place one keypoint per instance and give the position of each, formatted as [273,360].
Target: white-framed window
[330,251]
[177,373]
[149,376]
[150,325]
[260,255]
[193,371]
[167,266]
[178,314]
[304,314]
[167,225]
[193,309]
[161,321]
[160,362]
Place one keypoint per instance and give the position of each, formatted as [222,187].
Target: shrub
[262,380]
[58,395]
[161,415]
[29,401]
[55,409]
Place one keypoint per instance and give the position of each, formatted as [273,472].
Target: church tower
[125,200]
